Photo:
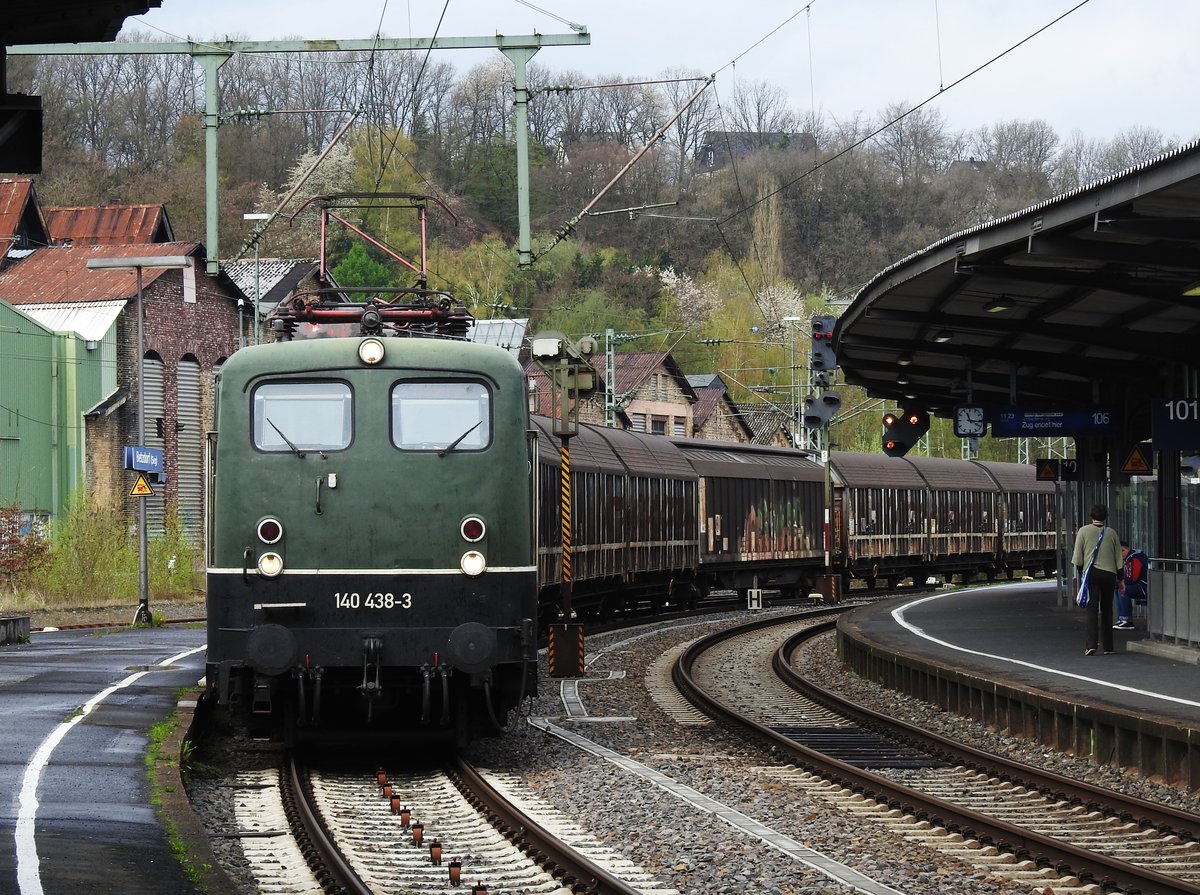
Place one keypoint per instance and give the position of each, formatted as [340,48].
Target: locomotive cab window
[441,416]
[302,416]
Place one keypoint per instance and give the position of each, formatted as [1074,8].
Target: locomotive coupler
[372,666]
[261,700]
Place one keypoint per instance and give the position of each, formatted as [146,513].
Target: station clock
[970,421]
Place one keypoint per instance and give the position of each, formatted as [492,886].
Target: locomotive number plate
[355,600]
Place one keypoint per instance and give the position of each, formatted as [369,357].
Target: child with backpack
[1132,586]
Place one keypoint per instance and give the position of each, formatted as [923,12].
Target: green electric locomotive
[371,557]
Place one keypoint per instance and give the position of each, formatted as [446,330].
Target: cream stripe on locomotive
[363,572]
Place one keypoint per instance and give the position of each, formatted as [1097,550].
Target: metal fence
[1174,605]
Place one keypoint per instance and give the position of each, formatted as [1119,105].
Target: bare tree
[759,107]
[480,108]
[626,113]
[1020,157]
[1133,146]
[916,147]
[564,113]
[686,133]
[1079,162]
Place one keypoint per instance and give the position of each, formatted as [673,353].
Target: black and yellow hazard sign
[141,488]
[1047,469]
[1137,461]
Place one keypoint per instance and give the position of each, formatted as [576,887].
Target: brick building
[650,391]
[190,329]
[714,416]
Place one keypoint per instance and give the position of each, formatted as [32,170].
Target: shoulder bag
[1081,596]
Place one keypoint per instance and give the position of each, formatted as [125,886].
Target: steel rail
[1045,850]
[574,870]
[328,865]
[1149,815]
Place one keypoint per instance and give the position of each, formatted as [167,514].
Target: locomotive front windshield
[307,416]
[441,416]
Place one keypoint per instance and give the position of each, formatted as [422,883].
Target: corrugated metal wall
[190,447]
[28,414]
[154,411]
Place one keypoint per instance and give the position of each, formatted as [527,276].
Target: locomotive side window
[441,416]
[302,416]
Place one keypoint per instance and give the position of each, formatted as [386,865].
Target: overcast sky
[1108,65]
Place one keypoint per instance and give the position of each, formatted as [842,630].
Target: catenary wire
[901,117]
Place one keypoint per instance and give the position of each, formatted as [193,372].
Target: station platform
[79,812]
[1018,633]
[1010,656]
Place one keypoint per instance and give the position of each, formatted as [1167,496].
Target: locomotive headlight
[473,563]
[270,565]
[270,531]
[370,351]
[473,529]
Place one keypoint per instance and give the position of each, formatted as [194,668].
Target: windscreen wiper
[299,453]
[452,445]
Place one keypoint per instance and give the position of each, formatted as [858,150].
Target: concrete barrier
[14,629]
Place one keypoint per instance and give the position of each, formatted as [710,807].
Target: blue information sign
[1023,422]
[1175,423]
[143,459]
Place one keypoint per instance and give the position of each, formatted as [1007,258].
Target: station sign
[1025,422]
[1175,424]
[143,459]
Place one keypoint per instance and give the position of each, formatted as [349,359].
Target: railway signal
[822,356]
[819,409]
[902,431]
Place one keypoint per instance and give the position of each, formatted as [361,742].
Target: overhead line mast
[212,55]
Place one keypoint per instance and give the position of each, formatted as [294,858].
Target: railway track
[1009,819]
[355,832]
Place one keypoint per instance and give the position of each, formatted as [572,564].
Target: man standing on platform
[1098,547]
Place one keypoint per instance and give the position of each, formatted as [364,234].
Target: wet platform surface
[75,801]
[1020,635]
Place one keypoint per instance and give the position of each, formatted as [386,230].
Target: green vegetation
[90,559]
[157,756]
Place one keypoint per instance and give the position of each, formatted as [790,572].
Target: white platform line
[898,617]
[29,878]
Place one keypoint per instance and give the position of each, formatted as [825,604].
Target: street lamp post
[138,264]
[256,216]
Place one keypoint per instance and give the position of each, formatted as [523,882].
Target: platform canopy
[1085,299]
[69,21]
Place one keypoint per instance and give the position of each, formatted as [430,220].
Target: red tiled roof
[109,224]
[60,273]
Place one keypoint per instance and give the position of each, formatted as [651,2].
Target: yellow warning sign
[141,488]
[1137,462]
[1047,470]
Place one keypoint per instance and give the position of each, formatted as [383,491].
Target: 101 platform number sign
[1175,423]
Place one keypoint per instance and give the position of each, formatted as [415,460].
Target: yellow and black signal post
[571,376]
